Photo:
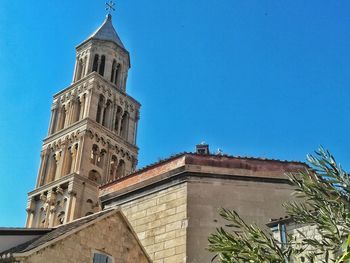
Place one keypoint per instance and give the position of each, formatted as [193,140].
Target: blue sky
[252,77]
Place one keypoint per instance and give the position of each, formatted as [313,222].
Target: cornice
[94,77]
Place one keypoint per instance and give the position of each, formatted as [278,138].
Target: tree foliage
[324,202]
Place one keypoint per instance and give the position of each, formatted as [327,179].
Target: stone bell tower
[92,133]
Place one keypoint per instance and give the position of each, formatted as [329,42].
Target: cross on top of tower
[110,6]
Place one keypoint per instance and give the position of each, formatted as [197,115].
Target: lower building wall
[110,236]
[160,221]
[256,201]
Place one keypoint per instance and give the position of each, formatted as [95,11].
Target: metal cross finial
[110,6]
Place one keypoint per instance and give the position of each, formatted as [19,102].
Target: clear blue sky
[258,78]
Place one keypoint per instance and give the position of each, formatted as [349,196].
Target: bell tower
[92,133]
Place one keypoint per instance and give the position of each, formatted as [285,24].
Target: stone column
[82,99]
[120,121]
[79,154]
[106,167]
[65,155]
[52,168]
[102,113]
[110,117]
[84,67]
[53,120]
[30,212]
[73,152]
[57,126]
[43,169]
[99,64]
[92,105]
[43,214]
[114,114]
[108,68]
[137,117]
[71,204]
[88,64]
[75,69]
[67,110]
[87,103]
[72,111]
[51,212]
[59,162]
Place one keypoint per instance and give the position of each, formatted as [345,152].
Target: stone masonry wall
[294,231]
[160,221]
[111,236]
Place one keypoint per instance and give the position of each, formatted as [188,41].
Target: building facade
[173,205]
[104,237]
[92,133]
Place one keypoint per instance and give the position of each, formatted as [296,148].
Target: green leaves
[323,202]
[245,243]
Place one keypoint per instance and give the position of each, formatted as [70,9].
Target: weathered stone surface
[158,226]
[111,236]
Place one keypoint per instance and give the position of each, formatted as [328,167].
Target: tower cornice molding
[65,180]
[97,129]
[87,83]
[83,127]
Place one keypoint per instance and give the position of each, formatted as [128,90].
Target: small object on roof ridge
[219,152]
[202,148]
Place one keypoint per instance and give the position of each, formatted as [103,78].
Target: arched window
[117,119]
[62,118]
[113,167]
[95,64]
[113,70]
[77,110]
[124,125]
[68,161]
[120,169]
[79,69]
[94,154]
[52,168]
[100,108]
[106,114]
[117,74]
[101,158]
[60,218]
[101,70]
[94,176]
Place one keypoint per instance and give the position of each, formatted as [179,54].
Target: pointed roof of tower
[106,32]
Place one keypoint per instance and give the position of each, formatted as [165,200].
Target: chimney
[202,148]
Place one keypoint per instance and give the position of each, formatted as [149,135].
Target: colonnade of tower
[92,133]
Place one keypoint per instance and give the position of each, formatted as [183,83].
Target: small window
[283,233]
[102,258]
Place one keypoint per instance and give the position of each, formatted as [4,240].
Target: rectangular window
[102,258]
[283,232]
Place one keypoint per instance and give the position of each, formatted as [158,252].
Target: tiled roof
[178,155]
[51,235]
[13,231]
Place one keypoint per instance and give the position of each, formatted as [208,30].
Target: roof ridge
[174,156]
